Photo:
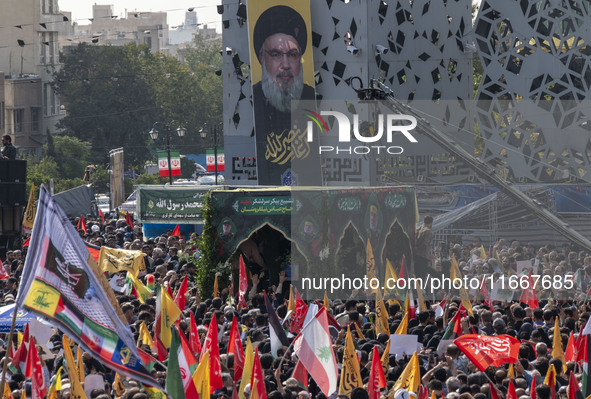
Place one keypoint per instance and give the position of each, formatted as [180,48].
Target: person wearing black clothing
[8,150]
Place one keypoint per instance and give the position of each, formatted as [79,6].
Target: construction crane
[379,91]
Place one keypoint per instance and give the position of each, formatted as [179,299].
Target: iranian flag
[210,160]
[314,349]
[175,163]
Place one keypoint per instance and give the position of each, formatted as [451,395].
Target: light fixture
[181,131]
[203,133]
[153,134]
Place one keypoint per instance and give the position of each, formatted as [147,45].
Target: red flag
[511,393]
[458,324]
[257,380]
[242,285]
[3,274]
[26,333]
[20,356]
[569,354]
[94,251]
[128,219]
[493,391]
[485,351]
[181,296]
[574,391]
[301,375]
[176,232]
[528,294]
[211,344]
[27,242]
[34,370]
[194,340]
[532,388]
[376,376]
[235,347]
[401,274]
[81,224]
[102,215]
[299,314]
[423,392]
[485,294]
[581,348]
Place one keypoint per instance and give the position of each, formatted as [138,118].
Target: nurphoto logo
[394,124]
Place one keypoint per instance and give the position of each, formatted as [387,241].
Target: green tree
[187,168]
[108,100]
[71,155]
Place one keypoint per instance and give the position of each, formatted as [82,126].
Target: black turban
[280,19]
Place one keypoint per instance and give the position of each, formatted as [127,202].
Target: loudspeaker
[13,171]
[13,194]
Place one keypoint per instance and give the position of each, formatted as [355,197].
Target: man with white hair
[280,39]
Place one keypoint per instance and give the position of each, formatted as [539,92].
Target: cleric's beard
[278,96]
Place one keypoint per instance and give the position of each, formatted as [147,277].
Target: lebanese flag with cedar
[235,347]
[313,347]
[485,351]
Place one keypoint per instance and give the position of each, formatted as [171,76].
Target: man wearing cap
[279,41]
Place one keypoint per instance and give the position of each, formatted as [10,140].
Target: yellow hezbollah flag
[456,274]
[80,364]
[76,390]
[115,260]
[143,292]
[326,303]
[248,365]
[557,351]
[389,279]
[56,385]
[291,303]
[118,385]
[421,298]
[410,377]
[169,312]
[382,326]
[216,290]
[359,332]
[29,218]
[403,326]
[370,266]
[201,377]
[511,371]
[385,360]
[145,336]
[482,252]
[351,372]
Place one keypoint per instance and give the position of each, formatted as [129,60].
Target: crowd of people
[445,371]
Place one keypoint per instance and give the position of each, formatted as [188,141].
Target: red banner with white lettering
[485,351]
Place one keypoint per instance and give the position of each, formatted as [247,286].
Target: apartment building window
[35,119]
[51,100]
[48,48]
[19,119]
[48,6]
[2,121]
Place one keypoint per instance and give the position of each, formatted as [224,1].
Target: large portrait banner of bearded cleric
[282,74]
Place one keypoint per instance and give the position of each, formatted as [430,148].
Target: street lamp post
[180,131]
[203,134]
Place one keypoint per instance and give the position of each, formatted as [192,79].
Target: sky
[206,9]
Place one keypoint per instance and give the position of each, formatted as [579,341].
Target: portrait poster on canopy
[282,74]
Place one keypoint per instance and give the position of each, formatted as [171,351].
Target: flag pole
[9,343]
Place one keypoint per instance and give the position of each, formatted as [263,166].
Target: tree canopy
[113,95]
